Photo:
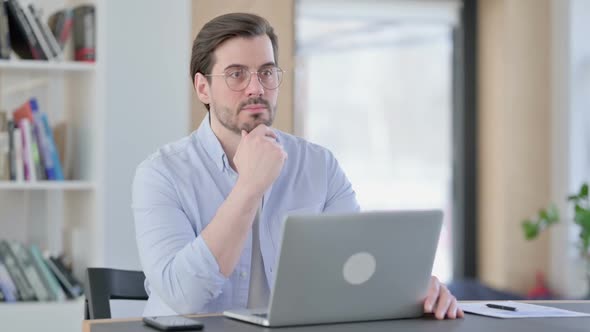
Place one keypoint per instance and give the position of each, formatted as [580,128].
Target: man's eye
[235,74]
[267,72]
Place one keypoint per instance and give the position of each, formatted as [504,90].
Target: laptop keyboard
[263,315]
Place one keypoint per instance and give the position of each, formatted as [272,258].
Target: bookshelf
[57,216]
[42,316]
[51,66]
[48,185]
[117,115]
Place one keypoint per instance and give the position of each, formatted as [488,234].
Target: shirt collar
[211,143]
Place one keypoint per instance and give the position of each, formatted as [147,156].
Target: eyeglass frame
[250,73]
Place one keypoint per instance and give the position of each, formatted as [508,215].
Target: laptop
[335,268]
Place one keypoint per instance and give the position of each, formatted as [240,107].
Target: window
[374,85]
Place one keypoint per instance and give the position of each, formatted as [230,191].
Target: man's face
[255,104]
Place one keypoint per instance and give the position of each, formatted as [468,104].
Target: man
[208,208]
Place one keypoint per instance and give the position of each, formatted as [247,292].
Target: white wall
[146,101]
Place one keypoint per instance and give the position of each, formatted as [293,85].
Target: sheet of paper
[523,310]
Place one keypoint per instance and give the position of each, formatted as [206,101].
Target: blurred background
[480,108]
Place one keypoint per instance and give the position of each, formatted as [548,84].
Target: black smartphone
[173,323]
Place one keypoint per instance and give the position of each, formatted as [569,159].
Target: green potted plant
[549,216]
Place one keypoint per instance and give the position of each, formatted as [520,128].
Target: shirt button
[243,274]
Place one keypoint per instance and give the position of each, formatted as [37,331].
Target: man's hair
[223,28]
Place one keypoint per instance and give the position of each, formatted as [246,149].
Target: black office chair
[104,284]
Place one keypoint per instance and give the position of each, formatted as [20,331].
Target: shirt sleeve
[341,198]
[176,261]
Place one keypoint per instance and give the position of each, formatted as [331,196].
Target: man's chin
[253,123]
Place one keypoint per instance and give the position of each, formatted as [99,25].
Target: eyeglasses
[238,78]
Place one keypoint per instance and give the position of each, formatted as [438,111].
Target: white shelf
[47,185]
[32,305]
[48,316]
[43,65]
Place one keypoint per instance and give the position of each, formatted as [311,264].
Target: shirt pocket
[276,225]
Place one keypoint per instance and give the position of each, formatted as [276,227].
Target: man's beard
[229,118]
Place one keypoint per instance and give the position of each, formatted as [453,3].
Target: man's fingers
[453,309]
[444,301]
[460,313]
[263,130]
[441,302]
[274,142]
[432,296]
[270,139]
[259,130]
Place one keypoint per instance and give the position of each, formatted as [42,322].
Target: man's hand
[441,302]
[259,159]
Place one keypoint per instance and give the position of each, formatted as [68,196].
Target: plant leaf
[531,230]
[584,191]
[543,214]
[582,218]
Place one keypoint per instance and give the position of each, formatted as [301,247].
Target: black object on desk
[173,323]
[501,307]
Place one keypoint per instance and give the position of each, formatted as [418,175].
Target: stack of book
[28,275]
[27,146]
[23,31]
[28,35]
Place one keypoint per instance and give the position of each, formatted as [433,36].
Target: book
[42,141]
[18,157]
[30,172]
[37,158]
[25,291]
[25,111]
[41,41]
[4,156]
[5,47]
[7,285]
[4,148]
[46,32]
[62,133]
[50,280]
[70,284]
[25,261]
[11,151]
[52,152]
[22,38]
[61,23]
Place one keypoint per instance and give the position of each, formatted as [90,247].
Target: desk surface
[214,323]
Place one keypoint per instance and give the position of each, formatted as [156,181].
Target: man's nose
[254,87]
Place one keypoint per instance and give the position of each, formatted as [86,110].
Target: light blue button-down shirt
[177,192]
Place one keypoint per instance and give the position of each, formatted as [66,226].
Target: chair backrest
[103,284]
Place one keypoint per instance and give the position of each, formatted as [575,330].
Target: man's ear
[202,88]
